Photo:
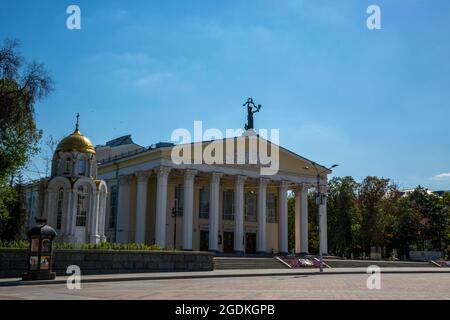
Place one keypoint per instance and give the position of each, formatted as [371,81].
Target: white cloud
[137,69]
[153,79]
[442,176]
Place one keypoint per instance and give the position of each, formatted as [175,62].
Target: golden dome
[76,142]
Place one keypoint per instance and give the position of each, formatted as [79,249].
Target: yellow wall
[134,160]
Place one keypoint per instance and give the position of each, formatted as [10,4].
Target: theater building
[217,207]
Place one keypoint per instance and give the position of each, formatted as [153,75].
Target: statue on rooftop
[252,108]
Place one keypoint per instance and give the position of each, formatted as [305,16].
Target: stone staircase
[235,263]
[249,262]
[341,263]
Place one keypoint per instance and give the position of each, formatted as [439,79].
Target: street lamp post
[174,215]
[319,201]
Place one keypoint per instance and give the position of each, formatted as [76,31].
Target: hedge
[84,246]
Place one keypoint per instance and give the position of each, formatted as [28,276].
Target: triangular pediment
[248,152]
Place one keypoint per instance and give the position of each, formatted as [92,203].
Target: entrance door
[81,214]
[250,243]
[228,242]
[204,240]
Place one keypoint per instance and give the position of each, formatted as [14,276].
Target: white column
[261,243]
[301,220]
[94,211]
[298,222]
[239,214]
[214,196]
[161,205]
[283,222]
[141,205]
[123,209]
[188,207]
[304,246]
[323,226]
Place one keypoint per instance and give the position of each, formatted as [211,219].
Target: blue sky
[377,102]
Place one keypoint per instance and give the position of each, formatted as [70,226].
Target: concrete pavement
[434,285]
[220,274]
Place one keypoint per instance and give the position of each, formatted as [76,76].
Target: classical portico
[219,208]
[221,195]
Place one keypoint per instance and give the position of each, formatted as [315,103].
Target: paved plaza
[331,286]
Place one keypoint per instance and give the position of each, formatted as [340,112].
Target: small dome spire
[76,141]
[77,125]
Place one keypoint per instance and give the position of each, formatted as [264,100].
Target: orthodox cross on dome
[252,108]
[77,124]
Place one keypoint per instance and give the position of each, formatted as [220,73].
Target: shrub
[84,246]
[21,244]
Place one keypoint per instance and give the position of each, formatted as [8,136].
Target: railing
[125,155]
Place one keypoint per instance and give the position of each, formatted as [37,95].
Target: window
[113,208]
[179,193]
[204,203]
[82,166]
[228,204]
[59,208]
[81,207]
[68,166]
[272,213]
[250,206]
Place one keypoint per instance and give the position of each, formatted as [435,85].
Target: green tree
[342,216]
[432,220]
[401,225]
[439,221]
[419,222]
[313,232]
[371,201]
[446,211]
[21,86]
[15,223]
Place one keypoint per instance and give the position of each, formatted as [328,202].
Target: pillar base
[239,252]
[282,253]
[94,239]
